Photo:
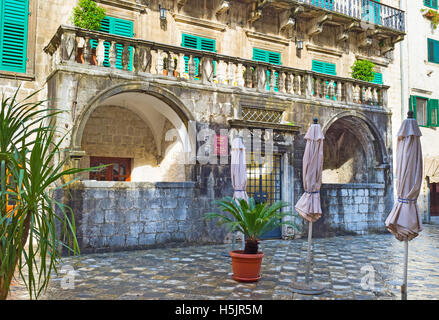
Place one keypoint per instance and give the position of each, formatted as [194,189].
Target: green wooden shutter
[269,57]
[430,3]
[318,66]
[412,104]
[14,16]
[324,67]
[123,28]
[118,27]
[199,43]
[378,78]
[433,113]
[433,50]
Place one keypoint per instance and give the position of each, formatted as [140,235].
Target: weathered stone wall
[356,208]
[133,215]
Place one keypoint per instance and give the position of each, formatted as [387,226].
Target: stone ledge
[93,184]
[353,186]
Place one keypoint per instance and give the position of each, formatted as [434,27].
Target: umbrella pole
[404,285]
[308,258]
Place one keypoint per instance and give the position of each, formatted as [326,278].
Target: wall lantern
[162,13]
[299,44]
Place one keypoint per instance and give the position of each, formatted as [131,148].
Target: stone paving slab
[202,272]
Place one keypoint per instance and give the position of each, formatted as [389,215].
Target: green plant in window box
[363,70]
[431,15]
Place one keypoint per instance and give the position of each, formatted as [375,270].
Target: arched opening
[139,135]
[350,151]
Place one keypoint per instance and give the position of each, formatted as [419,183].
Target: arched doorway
[139,133]
[353,190]
[353,150]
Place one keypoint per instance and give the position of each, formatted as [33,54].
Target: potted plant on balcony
[431,15]
[87,15]
[176,73]
[253,220]
[363,70]
[165,66]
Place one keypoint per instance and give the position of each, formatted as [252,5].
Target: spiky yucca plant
[30,168]
[253,220]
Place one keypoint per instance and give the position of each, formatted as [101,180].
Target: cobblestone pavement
[202,272]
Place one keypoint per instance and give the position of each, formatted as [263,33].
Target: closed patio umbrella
[308,205]
[238,171]
[404,221]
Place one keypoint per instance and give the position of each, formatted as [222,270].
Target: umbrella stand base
[311,288]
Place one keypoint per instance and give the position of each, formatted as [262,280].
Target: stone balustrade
[369,11]
[73,46]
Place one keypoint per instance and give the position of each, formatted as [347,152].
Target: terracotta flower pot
[246,267]
[165,72]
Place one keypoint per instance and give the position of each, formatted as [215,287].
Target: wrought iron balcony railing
[368,11]
[144,58]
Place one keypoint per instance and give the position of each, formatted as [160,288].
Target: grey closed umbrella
[404,221]
[308,206]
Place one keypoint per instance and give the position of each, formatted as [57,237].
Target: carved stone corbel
[256,12]
[223,7]
[364,40]
[344,34]
[181,3]
[315,26]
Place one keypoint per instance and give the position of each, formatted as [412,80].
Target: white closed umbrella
[404,221]
[238,172]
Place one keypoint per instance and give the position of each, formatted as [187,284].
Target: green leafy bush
[363,70]
[88,15]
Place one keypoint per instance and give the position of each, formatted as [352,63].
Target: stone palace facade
[159,90]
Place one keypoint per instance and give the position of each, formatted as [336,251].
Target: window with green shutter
[14,17]
[199,43]
[378,78]
[118,27]
[433,113]
[431,3]
[426,111]
[324,67]
[269,57]
[433,50]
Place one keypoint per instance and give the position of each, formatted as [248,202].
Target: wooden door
[119,169]
[434,199]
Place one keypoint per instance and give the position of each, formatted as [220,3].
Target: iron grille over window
[260,115]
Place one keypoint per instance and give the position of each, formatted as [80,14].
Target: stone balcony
[368,11]
[146,58]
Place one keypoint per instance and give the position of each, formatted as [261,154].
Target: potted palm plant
[253,220]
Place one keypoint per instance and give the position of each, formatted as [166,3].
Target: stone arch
[353,149]
[175,110]
[163,115]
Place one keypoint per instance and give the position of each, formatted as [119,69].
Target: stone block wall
[357,208]
[133,215]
